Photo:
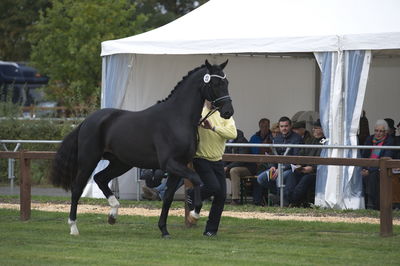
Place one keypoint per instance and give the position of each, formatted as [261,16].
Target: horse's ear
[208,65]
[223,65]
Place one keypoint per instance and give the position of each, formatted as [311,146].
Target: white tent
[257,36]
[267,26]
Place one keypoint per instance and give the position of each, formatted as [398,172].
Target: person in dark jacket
[268,172]
[301,182]
[371,174]
[236,170]
[299,127]
[155,187]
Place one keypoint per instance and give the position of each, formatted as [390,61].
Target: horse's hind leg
[114,169]
[172,183]
[76,193]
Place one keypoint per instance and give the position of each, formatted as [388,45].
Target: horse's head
[217,89]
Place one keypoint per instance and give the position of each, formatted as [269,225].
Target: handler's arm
[228,130]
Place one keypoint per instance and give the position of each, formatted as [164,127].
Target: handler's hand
[306,169]
[364,172]
[274,172]
[207,124]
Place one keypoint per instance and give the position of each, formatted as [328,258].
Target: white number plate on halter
[207,78]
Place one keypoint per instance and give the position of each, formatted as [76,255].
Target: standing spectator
[371,174]
[213,133]
[236,170]
[301,181]
[268,172]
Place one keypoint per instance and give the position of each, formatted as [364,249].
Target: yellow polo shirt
[212,143]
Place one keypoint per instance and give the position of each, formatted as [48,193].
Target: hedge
[12,128]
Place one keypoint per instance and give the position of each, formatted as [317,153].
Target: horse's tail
[65,163]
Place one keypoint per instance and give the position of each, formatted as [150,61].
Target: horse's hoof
[167,236]
[74,233]
[111,219]
[193,218]
[74,229]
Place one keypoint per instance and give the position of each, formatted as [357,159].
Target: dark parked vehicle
[20,81]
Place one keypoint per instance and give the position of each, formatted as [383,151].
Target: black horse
[164,136]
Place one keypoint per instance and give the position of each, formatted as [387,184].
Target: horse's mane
[180,82]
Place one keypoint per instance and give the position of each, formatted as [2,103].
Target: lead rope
[208,115]
[202,120]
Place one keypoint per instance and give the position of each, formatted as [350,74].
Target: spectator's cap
[317,123]
[299,124]
[390,123]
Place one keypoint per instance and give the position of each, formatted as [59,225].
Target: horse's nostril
[227,114]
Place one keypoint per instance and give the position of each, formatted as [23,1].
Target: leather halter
[207,78]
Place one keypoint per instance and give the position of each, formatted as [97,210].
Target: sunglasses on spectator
[379,130]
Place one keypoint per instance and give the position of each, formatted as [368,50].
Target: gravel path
[180,212]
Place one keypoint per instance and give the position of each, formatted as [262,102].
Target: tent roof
[271,26]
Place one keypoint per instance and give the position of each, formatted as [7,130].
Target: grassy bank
[135,240]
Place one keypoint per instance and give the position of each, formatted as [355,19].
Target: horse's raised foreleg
[172,183]
[181,170]
[115,168]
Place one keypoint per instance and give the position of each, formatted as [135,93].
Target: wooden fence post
[386,219]
[25,187]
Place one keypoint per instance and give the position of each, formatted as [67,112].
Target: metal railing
[272,145]
[280,181]
[11,161]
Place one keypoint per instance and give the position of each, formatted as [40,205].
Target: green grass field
[135,240]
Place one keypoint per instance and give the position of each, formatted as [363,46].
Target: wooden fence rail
[385,164]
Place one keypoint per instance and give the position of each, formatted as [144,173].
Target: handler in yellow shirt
[213,134]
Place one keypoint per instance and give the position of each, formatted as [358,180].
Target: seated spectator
[275,130]
[236,170]
[261,135]
[371,174]
[155,185]
[268,172]
[258,190]
[301,181]
[308,138]
[300,128]
[397,142]
[391,129]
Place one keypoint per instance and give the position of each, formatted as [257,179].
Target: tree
[66,44]
[66,40]
[16,21]
[161,12]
